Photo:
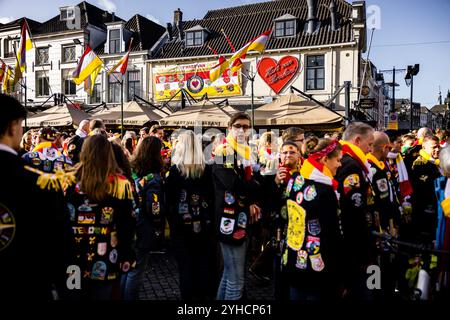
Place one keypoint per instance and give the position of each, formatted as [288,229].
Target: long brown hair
[97,164]
[147,158]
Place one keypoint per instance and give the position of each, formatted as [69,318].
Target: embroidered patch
[227,225]
[314,227]
[195,211]
[101,248]
[183,208]
[299,182]
[382,185]
[296,225]
[187,218]
[85,207]
[357,199]
[239,234]
[98,271]
[114,239]
[284,212]
[36,162]
[155,208]
[351,182]
[299,198]
[302,259]
[310,193]
[229,199]
[195,198]
[228,210]
[289,185]
[242,220]
[183,195]
[197,226]
[71,209]
[312,245]
[317,263]
[107,215]
[113,256]
[86,218]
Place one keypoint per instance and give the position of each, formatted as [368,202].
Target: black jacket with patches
[356,219]
[385,205]
[233,218]
[322,238]
[34,234]
[424,201]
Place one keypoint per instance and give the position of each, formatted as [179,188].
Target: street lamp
[409,79]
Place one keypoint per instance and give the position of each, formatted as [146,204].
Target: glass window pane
[114,34]
[310,84]
[320,60]
[310,74]
[290,24]
[189,35]
[311,60]
[321,73]
[290,31]
[279,32]
[320,84]
[279,25]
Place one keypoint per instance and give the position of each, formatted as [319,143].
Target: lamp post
[409,79]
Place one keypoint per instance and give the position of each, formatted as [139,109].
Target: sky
[407,32]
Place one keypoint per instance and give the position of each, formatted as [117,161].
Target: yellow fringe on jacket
[120,188]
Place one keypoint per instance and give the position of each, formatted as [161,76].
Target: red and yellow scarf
[314,170]
[372,159]
[356,153]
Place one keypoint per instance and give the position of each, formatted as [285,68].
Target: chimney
[177,17]
[312,16]
[169,31]
[113,16]
[333,16]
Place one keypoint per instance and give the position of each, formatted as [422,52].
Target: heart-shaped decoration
[278,74]
[195,83]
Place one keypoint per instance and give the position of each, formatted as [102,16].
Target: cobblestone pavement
[161,281]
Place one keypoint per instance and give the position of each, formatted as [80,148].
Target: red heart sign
[195,83]
[278,74]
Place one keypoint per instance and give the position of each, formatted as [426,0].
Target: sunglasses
[288,152]
[239,126]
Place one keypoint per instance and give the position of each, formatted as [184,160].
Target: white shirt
[6,148]
[81,133]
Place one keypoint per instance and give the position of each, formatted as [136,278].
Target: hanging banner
[393,121]
[277,74]
[194,78]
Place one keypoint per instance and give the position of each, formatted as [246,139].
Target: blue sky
[404,26]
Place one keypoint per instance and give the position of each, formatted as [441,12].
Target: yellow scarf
[42,145]
[313,170]
[233,146]
[375,161]
[357,152]
[427,157]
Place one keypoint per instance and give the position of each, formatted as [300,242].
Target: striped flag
[8,81]
[89,62]
[123,63]
[25,45]
[2,71]
[257,44]
[89,82]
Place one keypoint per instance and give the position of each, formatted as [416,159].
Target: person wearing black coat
[311,258]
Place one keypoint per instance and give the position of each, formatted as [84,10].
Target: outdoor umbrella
[58,116]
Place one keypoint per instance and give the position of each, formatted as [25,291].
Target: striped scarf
[403,179]
[313,170]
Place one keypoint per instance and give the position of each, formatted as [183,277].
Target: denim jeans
[232,283]
[131,282]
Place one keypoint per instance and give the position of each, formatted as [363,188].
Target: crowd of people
[320,206]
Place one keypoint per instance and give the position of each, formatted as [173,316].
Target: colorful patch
[302,259]
[183,195]
[227,225]
[284,258]
[47,165]
[296,225]
[195,211]
[51,153]
[195,198]
[155,208]
[204,204]
[373,170]
[107,215]
[183,208]
[239,234]
[242,220]
[85,207]
[310,193]
[314,227]
[72,147]
[86,218]
[317,263]
[113,256]
[187,218]
[32,155]
[58,165]
[114,240]
[197,226]
[312,245]
[98,271]
[289,185]
[229,199]
[299,198]
[126,266]
[228,210]
[299,182]
[357,199]
[351,182]
[36,162]
[284,212]
[101,248]
[241,203]
[382,185]
[71,209]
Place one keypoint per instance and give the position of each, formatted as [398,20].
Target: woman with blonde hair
[189,195]
[100,208]
[26,143]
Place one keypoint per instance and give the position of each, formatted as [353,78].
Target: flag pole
[121,107]
[26,108]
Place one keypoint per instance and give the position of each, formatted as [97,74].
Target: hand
[255,213]
[281,175]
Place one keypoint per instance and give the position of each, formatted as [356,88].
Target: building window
[285,28]
[67,13]
[41,56]
[69,87]
[68,54]
[114,87]
[134,84]
[194,38]
[11,46]
[96,96]
[315,73]
[114,41]
[42,84]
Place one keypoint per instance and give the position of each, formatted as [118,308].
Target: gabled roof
[90,14]
[146,32]
[18,22]
[439,108]
[244,23]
